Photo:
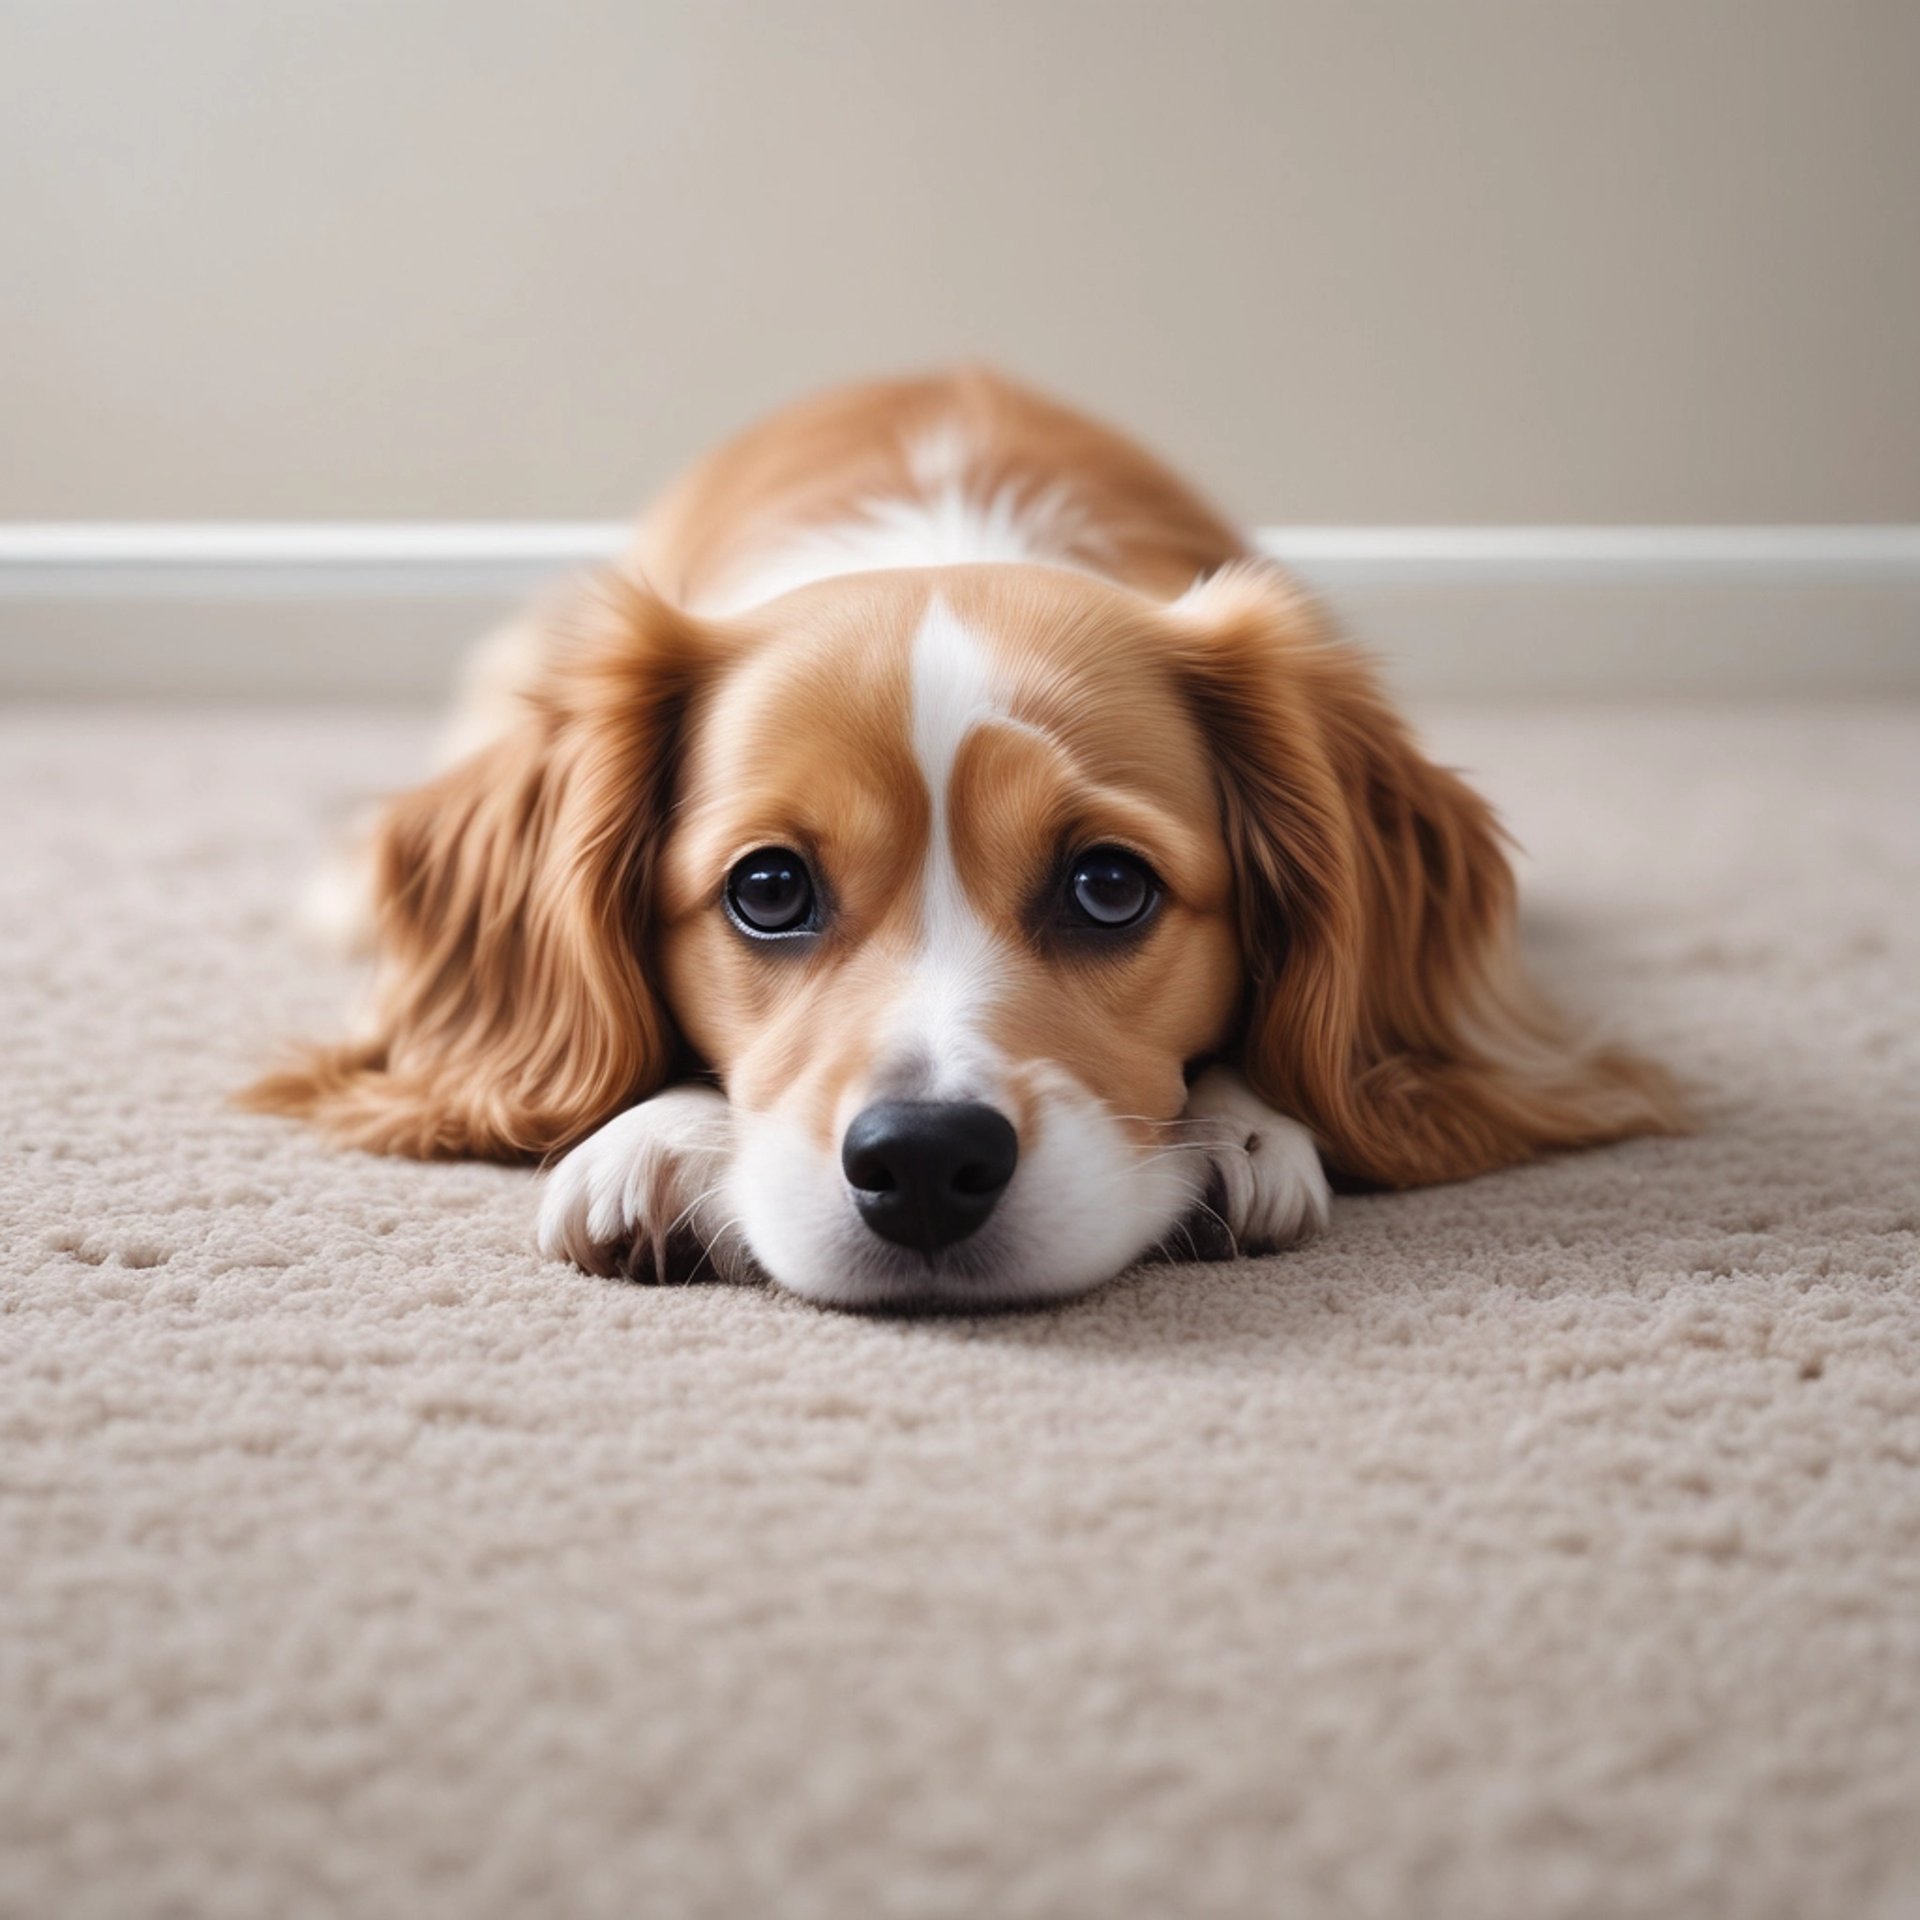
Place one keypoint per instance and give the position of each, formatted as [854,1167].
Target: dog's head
[952,880]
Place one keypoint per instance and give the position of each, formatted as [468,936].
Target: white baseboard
[380,611]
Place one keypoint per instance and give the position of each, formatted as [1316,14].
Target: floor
[1548,1545]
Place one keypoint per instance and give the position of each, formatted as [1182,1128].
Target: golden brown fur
[1341,910]
[1387,1007]
[816,461]
[512,1006]
[805,741]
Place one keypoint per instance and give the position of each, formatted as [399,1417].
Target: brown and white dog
[940,866]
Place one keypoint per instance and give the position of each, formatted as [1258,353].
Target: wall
[1350,263]
[1472,262]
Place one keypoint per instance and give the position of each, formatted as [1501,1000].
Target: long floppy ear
[1387,1008]
[512,1009]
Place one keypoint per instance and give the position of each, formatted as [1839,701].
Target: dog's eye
[1109,888]
[771,891]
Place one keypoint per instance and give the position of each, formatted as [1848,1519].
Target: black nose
[926,1173]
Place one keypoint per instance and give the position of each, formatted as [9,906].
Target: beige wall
[1534,261]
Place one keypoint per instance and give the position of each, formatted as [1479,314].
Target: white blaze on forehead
[952,692]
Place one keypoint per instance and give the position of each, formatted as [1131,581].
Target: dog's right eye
[771,891]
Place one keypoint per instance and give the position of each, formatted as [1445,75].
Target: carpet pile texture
[1545,1546]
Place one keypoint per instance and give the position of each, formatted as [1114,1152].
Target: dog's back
[937,471]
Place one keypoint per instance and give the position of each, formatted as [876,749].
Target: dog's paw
[1265,1185]
[644,1197]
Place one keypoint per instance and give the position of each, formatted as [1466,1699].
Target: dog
[942,864]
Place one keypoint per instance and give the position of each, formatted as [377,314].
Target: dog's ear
[513,1012]
[1386,1005]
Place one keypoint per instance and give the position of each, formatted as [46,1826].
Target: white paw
[1267,1181]
[645,1196]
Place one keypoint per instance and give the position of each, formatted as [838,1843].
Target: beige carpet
[1548,1546]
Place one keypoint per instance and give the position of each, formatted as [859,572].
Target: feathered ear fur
[513,1013]
[1387,1008]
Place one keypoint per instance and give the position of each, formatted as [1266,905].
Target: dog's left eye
[1109,888]
[771,891]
